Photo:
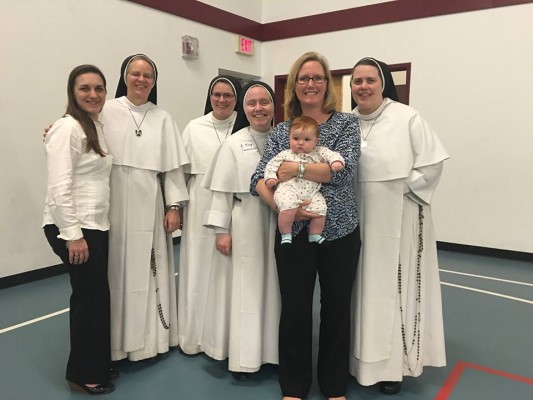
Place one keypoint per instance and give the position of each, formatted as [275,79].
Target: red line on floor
[452,380]
[458,370]
[500,373]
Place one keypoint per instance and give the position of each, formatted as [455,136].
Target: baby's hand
[337,166]
[271,182]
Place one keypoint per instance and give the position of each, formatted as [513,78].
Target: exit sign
[245,45]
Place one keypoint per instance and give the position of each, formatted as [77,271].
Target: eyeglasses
[227,96]
[137,74]
[317,79]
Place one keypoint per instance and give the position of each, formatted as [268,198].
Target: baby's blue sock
[316,239]
[286,238]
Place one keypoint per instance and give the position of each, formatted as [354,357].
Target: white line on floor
[10,328]
[486,277]
[487,292]
[32,321]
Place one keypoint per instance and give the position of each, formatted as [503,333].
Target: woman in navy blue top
[312,94]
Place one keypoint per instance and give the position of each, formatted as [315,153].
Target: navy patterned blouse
[339,133]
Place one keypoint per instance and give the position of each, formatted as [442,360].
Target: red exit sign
[245,45]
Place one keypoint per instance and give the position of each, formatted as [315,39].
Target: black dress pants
[298,264]
[90,347]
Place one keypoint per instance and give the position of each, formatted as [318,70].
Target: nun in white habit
[147,187]
[398,326]
[245,231]
[201,316]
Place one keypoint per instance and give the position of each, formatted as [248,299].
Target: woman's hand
[172,220]
[46,132]
[302,214]
[266,193]
[287,170]
[223,243]
[78,251]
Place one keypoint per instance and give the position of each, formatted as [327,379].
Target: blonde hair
[292,105]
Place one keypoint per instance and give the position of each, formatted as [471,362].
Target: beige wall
[40,42]
[470,80]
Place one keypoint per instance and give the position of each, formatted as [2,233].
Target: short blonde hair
[292,105]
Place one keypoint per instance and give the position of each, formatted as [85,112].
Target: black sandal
[103,388]
[390,387]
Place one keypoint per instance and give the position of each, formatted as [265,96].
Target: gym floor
[488,319]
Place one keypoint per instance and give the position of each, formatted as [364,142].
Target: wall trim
[485,251]
[358,17]
[48,272]
[43,273]
[31,276]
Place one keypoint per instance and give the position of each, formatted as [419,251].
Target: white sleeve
[219,213]
[422,182]
[175,187]
[64,146]
[329,155]
[272,166]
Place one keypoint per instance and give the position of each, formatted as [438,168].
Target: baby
[290,195]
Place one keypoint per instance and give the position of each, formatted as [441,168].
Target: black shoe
[113,374]
[390,387]
[240,376]
[104,388]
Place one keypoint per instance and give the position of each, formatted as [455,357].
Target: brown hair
[292,105]
[74,110]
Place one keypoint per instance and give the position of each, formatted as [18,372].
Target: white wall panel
[470,80]
[40,42]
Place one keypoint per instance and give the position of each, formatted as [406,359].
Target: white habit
[201,317]
[250,288]
[143,321]
[398,171]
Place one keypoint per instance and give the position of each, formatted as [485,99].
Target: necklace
[364,143]
[218,136]
[138,131]
[260,150]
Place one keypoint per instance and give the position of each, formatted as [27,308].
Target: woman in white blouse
[148,187]
[76,225]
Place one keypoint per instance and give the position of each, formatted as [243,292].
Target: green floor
[493,334]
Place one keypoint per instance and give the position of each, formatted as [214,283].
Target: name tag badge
[247,147]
